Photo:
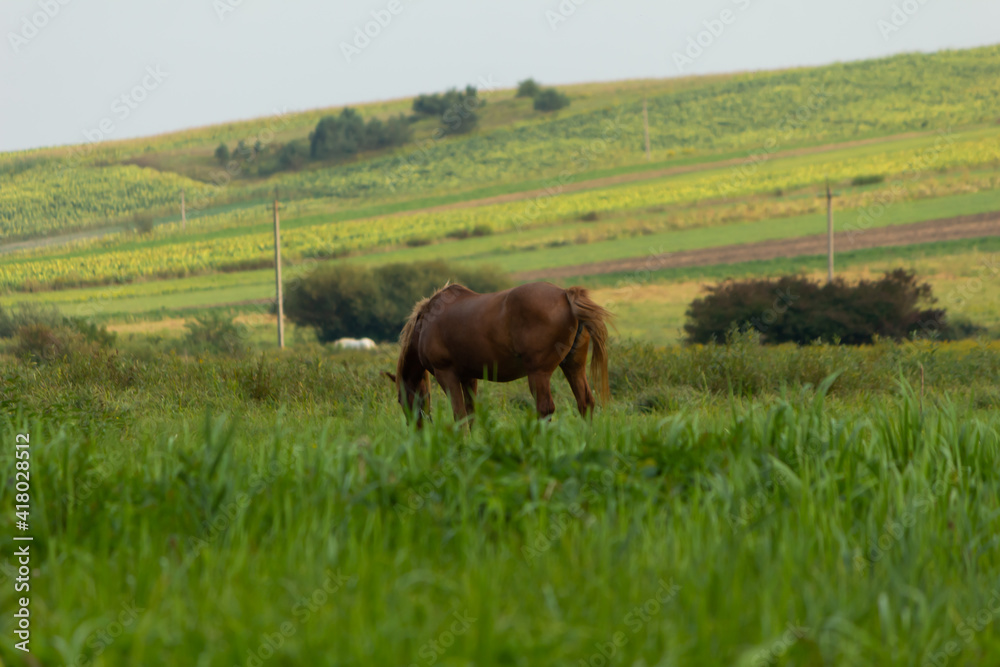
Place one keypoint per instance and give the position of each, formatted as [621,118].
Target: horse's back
[467,311]
[498,330]
[540,319]
[531,302]
[538,304]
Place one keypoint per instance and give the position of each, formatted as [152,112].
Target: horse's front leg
[452,386]
[469,388]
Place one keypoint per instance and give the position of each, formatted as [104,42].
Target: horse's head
[413,391]
[412,380]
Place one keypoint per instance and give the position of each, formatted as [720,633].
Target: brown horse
[460,337]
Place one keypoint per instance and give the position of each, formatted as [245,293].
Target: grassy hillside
[692,117]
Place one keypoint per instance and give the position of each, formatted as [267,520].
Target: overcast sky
[65,65]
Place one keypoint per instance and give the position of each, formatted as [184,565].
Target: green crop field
[244,240]
[654,314]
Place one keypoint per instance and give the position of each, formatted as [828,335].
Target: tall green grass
[847,521]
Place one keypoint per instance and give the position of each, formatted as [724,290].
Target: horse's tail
[594,319]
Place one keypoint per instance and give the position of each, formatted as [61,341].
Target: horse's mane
[411,324]
[406,335]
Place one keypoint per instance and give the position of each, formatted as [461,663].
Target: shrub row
[348,134]
[455,108]
[794,309]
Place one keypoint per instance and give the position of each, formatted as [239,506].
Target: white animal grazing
[354,344]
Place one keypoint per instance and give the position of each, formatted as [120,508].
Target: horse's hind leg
[538,383]
[577,377]
[574,367]
[469,394]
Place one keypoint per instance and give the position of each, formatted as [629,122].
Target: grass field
[728,507]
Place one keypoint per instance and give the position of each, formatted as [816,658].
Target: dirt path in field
[931,231]
[60,239]
[646,175]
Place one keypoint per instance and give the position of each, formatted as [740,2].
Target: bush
[437,104]
[550,99]
[292,155]
[143,223]
[222,154]
[44,334]
[867,179]
[28,314]
[394,132]
[216,333]
[528,88]
[795,309]
[464,233]
[347,134]
[41,342]
[337,136]
[243,152]
[961,329]
[459,121]
[455,108]
[336,301]
[344,300]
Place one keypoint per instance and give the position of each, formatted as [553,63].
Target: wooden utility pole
[829,232]
[277,274]
[645,128]
[183,213]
